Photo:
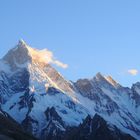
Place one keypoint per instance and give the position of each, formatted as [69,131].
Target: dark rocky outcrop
[96,129]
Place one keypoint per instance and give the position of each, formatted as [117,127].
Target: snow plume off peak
[45,56]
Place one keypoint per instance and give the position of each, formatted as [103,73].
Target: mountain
[30,86]
[11,130]
[96,128]
[117,104]
[40,99]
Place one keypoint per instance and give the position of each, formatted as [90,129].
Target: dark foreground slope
[96,129]
[11,130]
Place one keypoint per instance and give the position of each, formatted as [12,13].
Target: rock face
[11,130]
[55,127]
[18,55]
[96,129]
[34,94]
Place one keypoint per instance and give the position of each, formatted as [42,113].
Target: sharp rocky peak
[21,54]
[136,87]
[112,81]
[22,43]
[18,55]
[106,80]
[99,76]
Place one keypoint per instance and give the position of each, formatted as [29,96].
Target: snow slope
[39,97]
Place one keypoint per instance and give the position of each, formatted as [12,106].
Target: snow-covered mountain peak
[22,43]
[38,96]
[35,63]
[137,84]
[19,55]
[34,55]
[106,80]
[136,87]
[99,77]
[22,54]
[112,81]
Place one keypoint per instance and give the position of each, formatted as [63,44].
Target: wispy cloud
[60,64]
[46,56]
[133,72]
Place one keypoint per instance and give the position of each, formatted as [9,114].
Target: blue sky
[89,35]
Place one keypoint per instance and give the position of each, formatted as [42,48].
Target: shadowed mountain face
[11,130]
[96,129]
[39,98]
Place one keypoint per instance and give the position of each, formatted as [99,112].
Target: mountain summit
[23,53]
[37,64]
[47,105]
[18,55]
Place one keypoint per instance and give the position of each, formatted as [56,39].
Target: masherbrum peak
[32,87]
[22,43]
[18,55]
[37,63]
[22,53]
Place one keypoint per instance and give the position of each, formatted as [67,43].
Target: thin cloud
[46,56]
[60,64]
[133,72]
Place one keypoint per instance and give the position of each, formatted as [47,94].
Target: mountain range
[40,103]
